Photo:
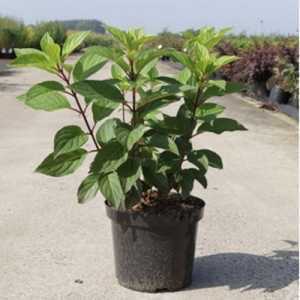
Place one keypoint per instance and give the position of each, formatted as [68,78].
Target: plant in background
[167,39]
[98,39]
[285,76]
[13,33]
[54,28]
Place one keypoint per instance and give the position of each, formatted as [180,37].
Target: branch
[80,109]
[74,109]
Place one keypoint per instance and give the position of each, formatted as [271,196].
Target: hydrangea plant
[143,148]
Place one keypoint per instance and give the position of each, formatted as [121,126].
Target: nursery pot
[279,95]
[259,89]
[154,252]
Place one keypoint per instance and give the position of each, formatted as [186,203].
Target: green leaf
[50,48]
[68,67]
[64,164]
[214,160]
[109,158]
[147,59]
[168,162]
[184,75]
[22,98]
[88,188]
[221,88]
[44,88]
[169,125]
[68,139]
[155,178]
[122,131]
[182,58]
[118,34]
[188,176]
[110,187]
[152,101]
[186,183]
[202,57]
[106,131]
[208,111]
[220,84]
[49,102]
[148,109]
[129,173]
[117,72]
[198,158]
[32,58]
[113,54]
[135,135]
[46,96]
[87,65]
[98,89]
[73,41]
[220,125]
[224,60]
[26,51]
[102,108]
[234,87]
[162,141]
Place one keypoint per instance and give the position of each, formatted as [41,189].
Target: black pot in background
[7,53]
[154,252]
[279,95]
[294,100]
[258,89]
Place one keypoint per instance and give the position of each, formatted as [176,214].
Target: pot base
[153,252]
[153,289]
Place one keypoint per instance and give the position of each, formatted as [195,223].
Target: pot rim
[114,213]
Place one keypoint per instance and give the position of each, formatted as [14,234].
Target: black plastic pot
[279,95]
[154,252]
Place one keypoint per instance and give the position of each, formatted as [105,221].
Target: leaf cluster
[146,148]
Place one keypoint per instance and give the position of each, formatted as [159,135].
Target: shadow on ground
[7,72]
[247,271]
[12,87]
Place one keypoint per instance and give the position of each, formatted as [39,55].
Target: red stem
[81,110]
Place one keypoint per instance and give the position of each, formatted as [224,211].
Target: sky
[251,16]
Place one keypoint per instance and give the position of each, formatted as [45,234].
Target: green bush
[54,28]
[96,39]
[13,33]
[168,39]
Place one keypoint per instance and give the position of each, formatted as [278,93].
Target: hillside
[81,25]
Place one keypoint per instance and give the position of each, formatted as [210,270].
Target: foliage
[255,65]
[13,33]
[54,28]
[285,75]
[167,39]
[145,148]
[96,39]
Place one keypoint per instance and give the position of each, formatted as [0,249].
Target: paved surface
[247,242]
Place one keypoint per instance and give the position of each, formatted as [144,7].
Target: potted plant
[283,83]
[145,164]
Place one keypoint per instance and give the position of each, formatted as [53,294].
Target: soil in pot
[154,243]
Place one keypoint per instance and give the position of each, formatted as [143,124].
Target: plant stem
[196,102]
[81,110]
[132,77]
[133,106]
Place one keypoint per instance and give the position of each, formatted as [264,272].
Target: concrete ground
[53,248]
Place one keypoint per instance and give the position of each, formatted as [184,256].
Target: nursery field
[267,66]
[247,242]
